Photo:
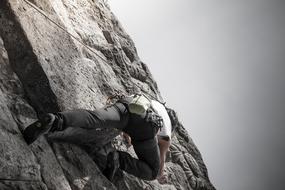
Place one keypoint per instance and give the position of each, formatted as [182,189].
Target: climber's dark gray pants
[116,116]
[147,167]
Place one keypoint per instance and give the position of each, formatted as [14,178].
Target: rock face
[46,68]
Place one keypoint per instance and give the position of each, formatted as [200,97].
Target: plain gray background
[221,65]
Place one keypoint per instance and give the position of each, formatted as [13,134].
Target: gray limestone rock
[77,63]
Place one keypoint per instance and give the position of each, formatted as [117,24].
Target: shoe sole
[36,129]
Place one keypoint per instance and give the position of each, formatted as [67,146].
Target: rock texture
[43,68]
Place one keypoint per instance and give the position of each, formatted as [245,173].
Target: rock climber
[146,123]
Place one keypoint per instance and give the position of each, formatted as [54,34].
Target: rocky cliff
[67,54]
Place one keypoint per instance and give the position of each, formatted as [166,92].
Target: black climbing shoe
[38,128]
[112,165]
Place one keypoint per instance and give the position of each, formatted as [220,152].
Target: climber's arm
[164,145]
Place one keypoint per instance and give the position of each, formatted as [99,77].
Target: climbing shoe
[112,165]
[38,128]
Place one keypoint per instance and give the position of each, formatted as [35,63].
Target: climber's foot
[38,128]
[112,165]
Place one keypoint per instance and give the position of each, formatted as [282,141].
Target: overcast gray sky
[221,65]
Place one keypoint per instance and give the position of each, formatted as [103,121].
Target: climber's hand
[128,139]
[162,179]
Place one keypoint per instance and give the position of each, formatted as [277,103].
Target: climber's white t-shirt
[160,109]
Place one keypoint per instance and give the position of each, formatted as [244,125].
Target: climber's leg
[147,165]
[114,116]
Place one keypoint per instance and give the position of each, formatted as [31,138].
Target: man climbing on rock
[144,120]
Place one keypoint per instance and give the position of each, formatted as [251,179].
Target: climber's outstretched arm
[164,145]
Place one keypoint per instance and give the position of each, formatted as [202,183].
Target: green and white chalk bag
[139,104]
